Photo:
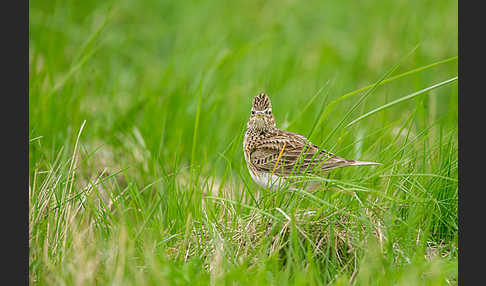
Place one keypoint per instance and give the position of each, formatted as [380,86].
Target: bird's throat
[259,126]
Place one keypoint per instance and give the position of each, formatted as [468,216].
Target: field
[137,111]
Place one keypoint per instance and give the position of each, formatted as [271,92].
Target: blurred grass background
[164,91]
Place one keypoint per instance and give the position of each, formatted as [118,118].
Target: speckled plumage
[277,154]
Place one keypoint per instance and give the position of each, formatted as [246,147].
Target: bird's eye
[252,112]
[268,112]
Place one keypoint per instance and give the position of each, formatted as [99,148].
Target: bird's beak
[259,115]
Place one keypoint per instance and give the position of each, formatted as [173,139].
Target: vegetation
[137,111]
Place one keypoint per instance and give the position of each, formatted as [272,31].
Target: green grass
[137,111]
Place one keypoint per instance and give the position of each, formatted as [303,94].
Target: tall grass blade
[410,96]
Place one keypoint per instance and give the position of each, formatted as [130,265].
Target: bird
[273,156]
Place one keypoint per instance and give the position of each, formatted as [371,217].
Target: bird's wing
[287,153]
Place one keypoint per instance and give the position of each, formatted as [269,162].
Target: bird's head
[261,116]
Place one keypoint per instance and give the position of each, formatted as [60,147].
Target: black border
[15,139]
[471,127]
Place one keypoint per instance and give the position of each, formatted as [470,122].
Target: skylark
[273,155]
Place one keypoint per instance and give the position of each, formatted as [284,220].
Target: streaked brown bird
[273,155]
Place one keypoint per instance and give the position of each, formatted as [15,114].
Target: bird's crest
[261,102]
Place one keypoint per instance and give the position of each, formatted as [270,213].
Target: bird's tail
[361,163]
[345,163]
